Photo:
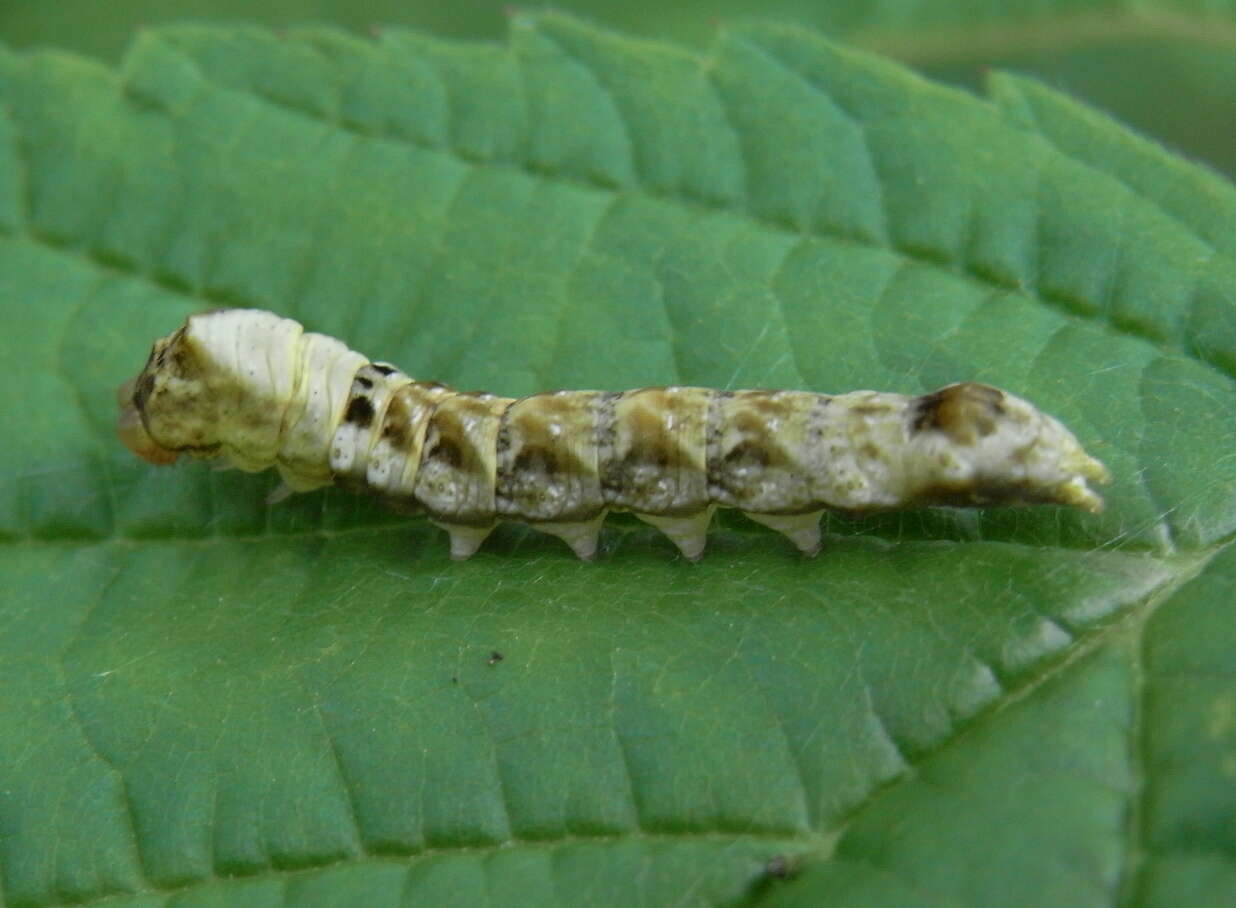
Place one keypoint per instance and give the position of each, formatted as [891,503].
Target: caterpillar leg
[581,537]
[801,529]
[688,533]
[292,483]
[465,540]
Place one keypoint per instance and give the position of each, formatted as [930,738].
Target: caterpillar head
[216,387]
[974,445]
[166,409]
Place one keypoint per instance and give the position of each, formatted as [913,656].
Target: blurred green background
[1167,69]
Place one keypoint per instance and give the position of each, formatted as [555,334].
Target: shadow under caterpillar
[259,391]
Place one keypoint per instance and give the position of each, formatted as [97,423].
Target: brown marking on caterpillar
[657,463]
[257,390]
[965,412]
[395,432]
[759,464]
[747,454]
[448,451]
[457,474]
[983,493]
[547,458]
[359,412]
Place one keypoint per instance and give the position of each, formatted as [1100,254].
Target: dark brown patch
[650,441]
[965,412]
[383,369]
[494,658]
[747,453]
[396,433]
[983,492]
[364,382]
[448,440]
[535,459]
[395,425]
[448,452]
[656,455]
[748,423]
[359,412]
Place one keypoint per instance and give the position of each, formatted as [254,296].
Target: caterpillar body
[258,391]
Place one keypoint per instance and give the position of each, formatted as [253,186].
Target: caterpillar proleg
[257,391]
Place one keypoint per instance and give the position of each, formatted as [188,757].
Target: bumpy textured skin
[259,391]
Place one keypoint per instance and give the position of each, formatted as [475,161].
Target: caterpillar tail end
[1077,492]
[132,431]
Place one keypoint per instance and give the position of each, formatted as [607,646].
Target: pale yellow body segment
[257,390]
[325,373]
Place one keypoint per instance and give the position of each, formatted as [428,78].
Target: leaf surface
[211,699]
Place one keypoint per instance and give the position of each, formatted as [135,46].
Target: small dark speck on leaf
[778,867]
[494,658]
[454,679]
[776,870]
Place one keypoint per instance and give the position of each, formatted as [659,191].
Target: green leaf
[1162,66]
[207,699]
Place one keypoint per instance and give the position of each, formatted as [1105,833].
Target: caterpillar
[257,391]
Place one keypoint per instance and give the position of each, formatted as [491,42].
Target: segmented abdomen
[569,455]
